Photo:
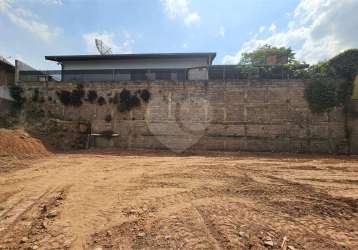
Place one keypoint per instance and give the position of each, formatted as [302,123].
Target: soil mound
[17,143]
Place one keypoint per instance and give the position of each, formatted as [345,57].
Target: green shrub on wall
[64,96]
[77,95]
[145,95]
[17,93]
[344,65]
[73,98]
[92,96]
[36,95]
[101,101]
[332,82]
[321,95]
[127,101]
[332,86]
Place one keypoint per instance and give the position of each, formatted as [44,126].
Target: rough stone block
[234,130]
[235,144]
[216,114]
[234,95]
[318,118]
[257,145]
[256,95]
[319,131]
[277,95]
[256,130]
[320,146]
[296,96]
[276,131]
[278,113]
[299,146]
[336,130]
[235,113]
[256,114]
[213,143]
[297,131]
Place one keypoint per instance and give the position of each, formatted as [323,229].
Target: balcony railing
[215,72]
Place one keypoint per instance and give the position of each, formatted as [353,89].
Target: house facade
[164,66]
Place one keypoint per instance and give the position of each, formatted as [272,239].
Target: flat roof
[210,55]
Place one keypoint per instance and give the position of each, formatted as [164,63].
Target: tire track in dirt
[12,215]
[209,230]
[27,223]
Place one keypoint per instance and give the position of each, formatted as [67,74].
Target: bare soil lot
[146,200]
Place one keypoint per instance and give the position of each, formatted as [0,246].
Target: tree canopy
[344,65]
[258,56]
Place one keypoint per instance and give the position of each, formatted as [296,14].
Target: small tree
[321,95]
[258,56]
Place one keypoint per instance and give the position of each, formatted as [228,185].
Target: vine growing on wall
[92,96]
[17,93]
[145,95]
[64,96]
[101,101]
[73,98]
[108,118]
[126,101]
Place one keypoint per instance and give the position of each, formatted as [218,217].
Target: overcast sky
[315,29]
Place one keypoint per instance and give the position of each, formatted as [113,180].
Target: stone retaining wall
[265,115]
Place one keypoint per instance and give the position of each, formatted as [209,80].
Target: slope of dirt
[160,201]
[18,143]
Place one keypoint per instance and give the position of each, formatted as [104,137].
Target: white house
[163,66]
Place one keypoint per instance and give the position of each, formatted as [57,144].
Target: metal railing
[215,72]
[243,72]
[104,75]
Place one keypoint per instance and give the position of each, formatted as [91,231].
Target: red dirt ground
[157,200]
[18,143]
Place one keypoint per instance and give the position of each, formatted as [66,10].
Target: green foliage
[127,101]
[108,118]
[36,95]
[17,93]
[344,65]
[34,111]
[73,98]
[92,96]
[77,96]
[101,101]
[258,56]
[249,71]
[64,96]
[321,95]
[145,95]
[332,82]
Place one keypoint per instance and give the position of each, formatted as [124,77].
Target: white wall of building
[157,63]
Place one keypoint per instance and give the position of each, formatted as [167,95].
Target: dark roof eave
[210,55]
[6,63]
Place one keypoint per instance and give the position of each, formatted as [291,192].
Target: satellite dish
[102,48]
